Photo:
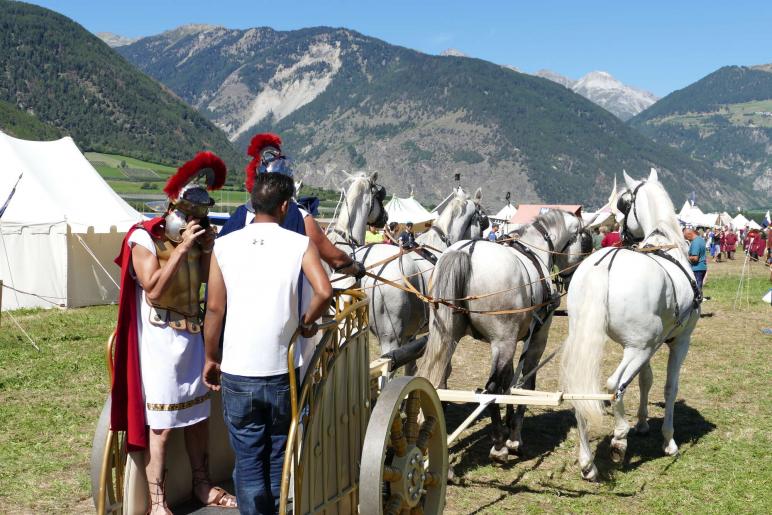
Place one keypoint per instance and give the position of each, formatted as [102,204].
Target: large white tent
[61,229]
[403,210]
[740,221]
[692,215]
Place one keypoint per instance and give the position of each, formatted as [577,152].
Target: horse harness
[651,251]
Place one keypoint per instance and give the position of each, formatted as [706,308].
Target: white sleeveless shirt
[261,265]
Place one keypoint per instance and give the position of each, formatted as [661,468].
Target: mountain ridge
[343,100]
[724,119]
[64,76]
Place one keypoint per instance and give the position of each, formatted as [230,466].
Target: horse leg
[531,360]
[502,371]
[632,361]
[678,350]
[586,461]
[645,379]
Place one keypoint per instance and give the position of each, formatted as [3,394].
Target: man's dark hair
[270,190]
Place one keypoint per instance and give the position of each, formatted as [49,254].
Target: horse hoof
[590,473]
[671,449]
[642,428]
[499,455]
[618,450]
[514,446]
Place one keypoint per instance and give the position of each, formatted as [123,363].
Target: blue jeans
[699,276]
[257,414]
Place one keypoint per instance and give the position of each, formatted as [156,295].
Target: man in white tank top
[257,272]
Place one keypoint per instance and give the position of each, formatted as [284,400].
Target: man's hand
[308,330]
[355,268]
[192,231]
[207,239]
[211,375]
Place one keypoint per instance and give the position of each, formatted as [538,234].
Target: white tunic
[261,266]
[171,362]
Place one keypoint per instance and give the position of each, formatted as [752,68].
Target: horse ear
[653,175]
[374,177]
[478,196]
[631,183]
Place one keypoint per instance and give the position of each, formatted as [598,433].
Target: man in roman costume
[159,350]
[267,157]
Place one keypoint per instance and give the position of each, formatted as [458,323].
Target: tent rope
[91,253]
[32,342]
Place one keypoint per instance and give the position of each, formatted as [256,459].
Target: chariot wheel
[405,454]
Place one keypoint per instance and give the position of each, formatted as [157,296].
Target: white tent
[693,215]
[61,229]
[740,221]
[725,219]
[505,213]
[753,224]
[403,210]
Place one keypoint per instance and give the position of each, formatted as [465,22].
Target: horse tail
[583,349]
[450,278]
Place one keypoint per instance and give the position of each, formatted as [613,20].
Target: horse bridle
[378,194]
[625,204]
[478,216]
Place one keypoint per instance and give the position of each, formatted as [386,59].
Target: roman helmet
[265,150]
[188,195]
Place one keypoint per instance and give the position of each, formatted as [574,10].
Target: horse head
[463,218]
[377,215]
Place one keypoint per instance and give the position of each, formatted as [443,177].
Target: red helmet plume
[205,164]
[260,141]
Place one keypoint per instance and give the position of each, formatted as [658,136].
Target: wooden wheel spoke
[393,505]
[398,440]
[425,434]
[412,409]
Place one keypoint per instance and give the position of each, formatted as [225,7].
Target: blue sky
[655,45]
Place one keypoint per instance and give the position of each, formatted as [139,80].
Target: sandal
[158,488]
[222,499]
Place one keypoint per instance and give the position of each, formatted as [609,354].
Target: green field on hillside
[757,114]
[141,181]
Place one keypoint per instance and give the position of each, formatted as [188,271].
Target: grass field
[50,401]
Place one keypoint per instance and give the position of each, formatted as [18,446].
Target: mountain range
[603,89]
[346,101]
[725,120]
[54,73]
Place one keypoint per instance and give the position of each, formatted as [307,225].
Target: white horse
[640,300]
[503,278]
[361,205]
[396,316]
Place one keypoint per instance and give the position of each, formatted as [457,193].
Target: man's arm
[339,260]
[154,278]
[207,245]
[215,312]
[312,268]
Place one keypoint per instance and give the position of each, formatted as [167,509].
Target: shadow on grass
[545,431]
[542,433]
[689,425]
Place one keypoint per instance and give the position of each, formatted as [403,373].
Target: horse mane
[553,218]
[452,210]
[666,226]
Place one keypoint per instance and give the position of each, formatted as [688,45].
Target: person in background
[769,245]
[407,237]
[597,237]
[697,255]
[730,243]
[718,242]
[493,234]
[267,157]
[256,273]
[612,239]
[373,235]
[390,233]
[709,240]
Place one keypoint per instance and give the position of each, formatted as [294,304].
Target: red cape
[128,403]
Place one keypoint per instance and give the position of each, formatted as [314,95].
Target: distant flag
[767,220]
[693,198]
[10,196]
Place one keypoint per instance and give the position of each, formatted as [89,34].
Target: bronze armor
[178,305]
